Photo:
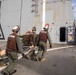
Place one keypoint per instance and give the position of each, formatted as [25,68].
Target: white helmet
[16,28]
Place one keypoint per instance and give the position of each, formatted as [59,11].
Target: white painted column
[21,16]
[43,13]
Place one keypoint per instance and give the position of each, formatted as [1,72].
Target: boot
[14,72]
[43,59]
[27,56]
[36,58]
[5,73]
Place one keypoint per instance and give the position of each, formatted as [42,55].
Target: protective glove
[32,46]
[50,46]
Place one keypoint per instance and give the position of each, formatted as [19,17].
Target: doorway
[62,34]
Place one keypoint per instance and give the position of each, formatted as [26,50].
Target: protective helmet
[28,32]
[46,26]
[34,29]
[16,28]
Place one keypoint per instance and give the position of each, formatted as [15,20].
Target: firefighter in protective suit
[32,35]
[43,37]
[11,51]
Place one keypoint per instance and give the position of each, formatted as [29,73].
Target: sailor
[43,37]
[11,51]
[32,43]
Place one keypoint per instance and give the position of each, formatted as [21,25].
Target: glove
[50,46]
[32,46]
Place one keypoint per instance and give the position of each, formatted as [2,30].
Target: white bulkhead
[58,14]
